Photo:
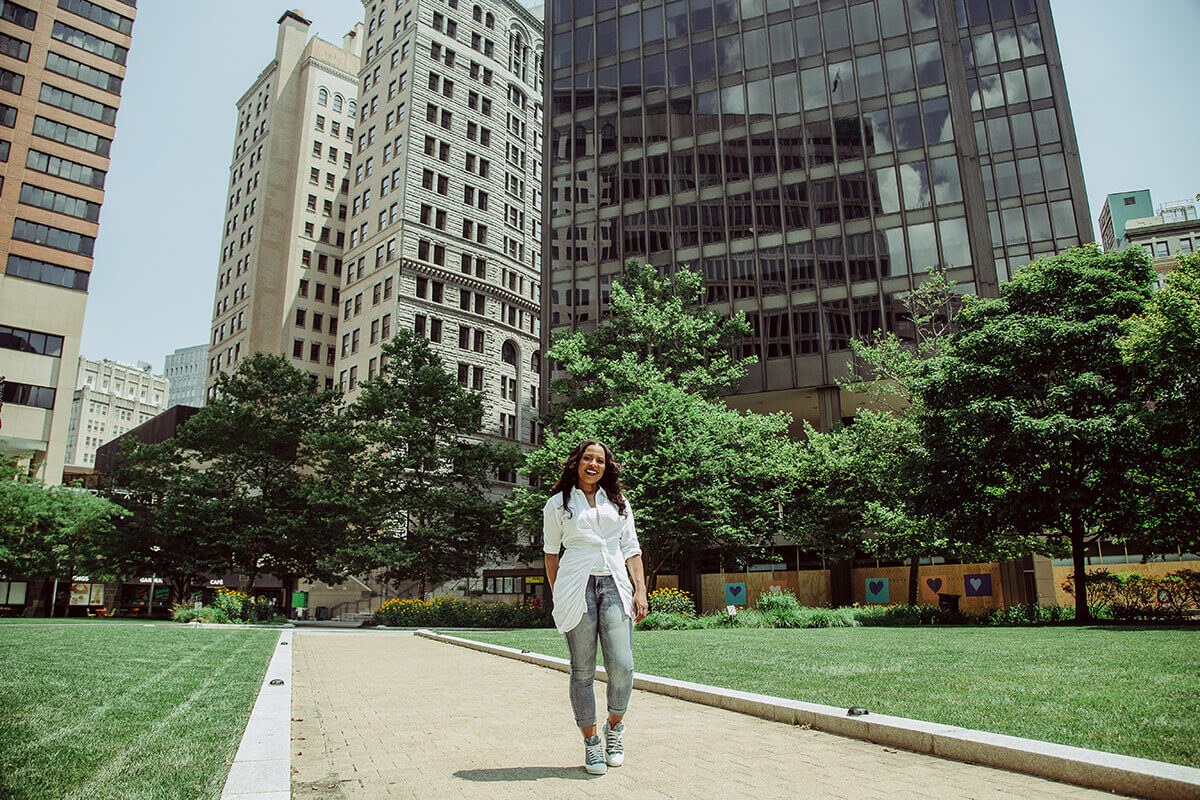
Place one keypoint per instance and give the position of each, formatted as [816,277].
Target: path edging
[262,768]
[1093,769]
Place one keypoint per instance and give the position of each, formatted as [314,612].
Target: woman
[588,518]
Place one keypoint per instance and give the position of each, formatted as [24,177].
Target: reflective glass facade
[809,158]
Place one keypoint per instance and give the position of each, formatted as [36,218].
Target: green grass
[124,710]
[1118,689]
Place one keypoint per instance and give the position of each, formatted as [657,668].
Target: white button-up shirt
[595,541]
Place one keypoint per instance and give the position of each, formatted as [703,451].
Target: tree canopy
[1027,421]
[423,471]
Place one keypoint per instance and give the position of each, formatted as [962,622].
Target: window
[78,104]
[85,41]
[56,238]
[66,134]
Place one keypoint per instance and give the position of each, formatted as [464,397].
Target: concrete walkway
[396,716]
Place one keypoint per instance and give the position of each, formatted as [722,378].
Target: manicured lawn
[1123,690]
[124,710]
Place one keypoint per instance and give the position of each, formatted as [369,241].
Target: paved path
[396,716]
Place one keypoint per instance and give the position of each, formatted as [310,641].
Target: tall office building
[281,250]
[810,159]
[1118,209]
[185,370]
[61,69]
[110,398]
[446,199]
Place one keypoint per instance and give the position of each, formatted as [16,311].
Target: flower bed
[457,612]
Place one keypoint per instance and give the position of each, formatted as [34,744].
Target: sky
[1130,79]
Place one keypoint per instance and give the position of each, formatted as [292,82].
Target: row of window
[57,238]
[25,394]
[66,169]
[51,274]
[26,341]
[59,203]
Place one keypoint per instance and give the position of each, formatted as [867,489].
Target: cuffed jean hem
[605,619]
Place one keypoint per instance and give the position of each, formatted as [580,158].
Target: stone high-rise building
[110,399]
[446,199]
[809,159]
[281,251]
[185,369]
[61,69]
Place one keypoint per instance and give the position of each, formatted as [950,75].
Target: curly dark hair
[610,481]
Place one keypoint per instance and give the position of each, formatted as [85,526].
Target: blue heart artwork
[878,590]
[934,584]
[735,594]
[978,585]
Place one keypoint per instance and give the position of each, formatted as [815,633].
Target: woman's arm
[551,568]
[637,571]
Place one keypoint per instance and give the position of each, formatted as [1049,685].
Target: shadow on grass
[522,774]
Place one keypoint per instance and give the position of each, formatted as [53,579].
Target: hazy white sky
[1130,73]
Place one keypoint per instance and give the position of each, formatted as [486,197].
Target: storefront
[516,584]
[14,597]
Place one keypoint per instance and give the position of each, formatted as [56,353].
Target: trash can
[949,602]
[322,613]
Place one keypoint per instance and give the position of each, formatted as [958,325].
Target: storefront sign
[80,593]
[155,579]
[534,579]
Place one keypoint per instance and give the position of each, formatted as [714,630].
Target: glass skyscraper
[811,159]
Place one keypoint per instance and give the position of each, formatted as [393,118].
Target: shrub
[206,614]
[669,621]
[458,612]
[902,616]
[1131,596]
[670,600]
[232,603]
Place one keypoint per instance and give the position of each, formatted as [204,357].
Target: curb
[1092,769]
[262,768]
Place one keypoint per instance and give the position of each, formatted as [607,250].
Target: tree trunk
[914,569]
[1083,615]
[421,589]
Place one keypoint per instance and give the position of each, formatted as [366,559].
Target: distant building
[185,370]
[62,65]
[1173,231]
[110,399]
[280,269]
[1118,209]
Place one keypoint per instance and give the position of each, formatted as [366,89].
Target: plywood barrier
[1064,598]
[811,587]
[977,585]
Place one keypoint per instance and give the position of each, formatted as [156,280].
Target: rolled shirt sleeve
[630,546]
[552,528]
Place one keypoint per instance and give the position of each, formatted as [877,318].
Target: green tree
[269,449]
[699,475]
[1028,429]
[51,530]
[1162,347]
[424,472]
[175,520]
[657,329]
[876,458]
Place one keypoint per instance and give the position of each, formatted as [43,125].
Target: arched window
[535,363]
[477,14]
[491,20]
[337,102]
[352,107]
[508,353]
[322,96]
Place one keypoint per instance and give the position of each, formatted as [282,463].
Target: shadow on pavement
[522,774]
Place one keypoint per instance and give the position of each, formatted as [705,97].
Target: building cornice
[470,282]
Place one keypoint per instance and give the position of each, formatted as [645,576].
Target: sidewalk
[397,716]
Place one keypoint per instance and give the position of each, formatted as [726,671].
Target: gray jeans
[605,616]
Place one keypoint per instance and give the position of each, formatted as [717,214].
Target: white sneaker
[593,756]
[614,752]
